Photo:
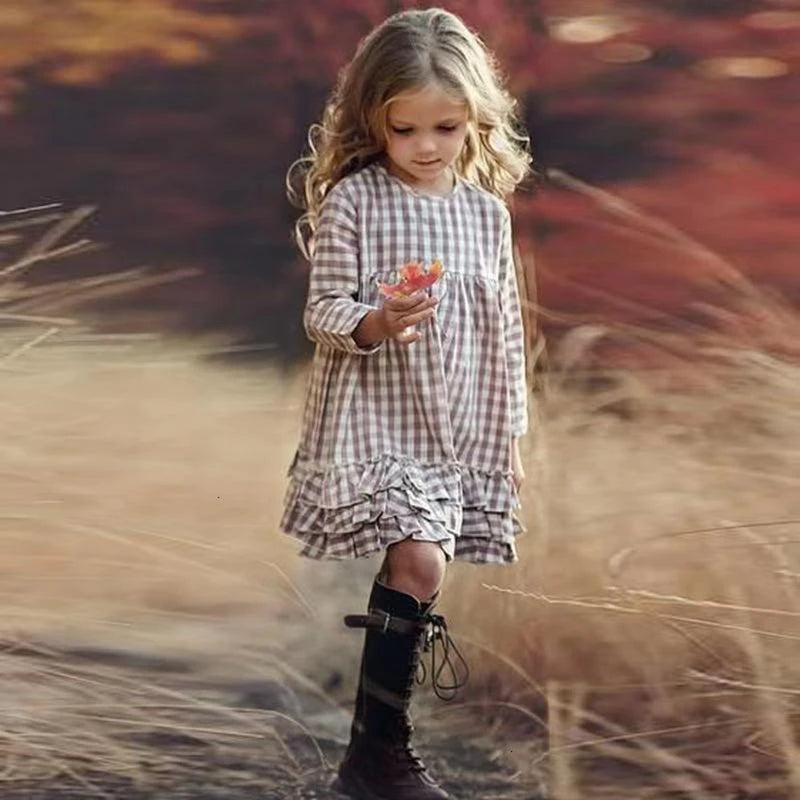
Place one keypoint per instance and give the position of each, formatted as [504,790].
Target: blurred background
[153,369]
[178,120]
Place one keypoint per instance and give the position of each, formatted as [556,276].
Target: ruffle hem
[354,510]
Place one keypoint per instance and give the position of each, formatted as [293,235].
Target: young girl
[416,404]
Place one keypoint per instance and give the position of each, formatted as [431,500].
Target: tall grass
[651,626]
[142,586]
[645,646]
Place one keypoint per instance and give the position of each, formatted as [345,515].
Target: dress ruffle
[352,510]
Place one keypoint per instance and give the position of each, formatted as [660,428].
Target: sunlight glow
[742,67]
[588,29]
[624,52]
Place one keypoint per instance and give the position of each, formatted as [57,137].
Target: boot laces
[404,750]
[436,631]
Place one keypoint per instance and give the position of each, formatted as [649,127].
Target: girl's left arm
[514,333]
[517,465]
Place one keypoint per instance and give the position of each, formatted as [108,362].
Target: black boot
[380,763]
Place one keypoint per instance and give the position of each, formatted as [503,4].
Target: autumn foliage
[179,120]
[413,277]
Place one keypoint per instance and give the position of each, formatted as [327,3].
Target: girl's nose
[427,146]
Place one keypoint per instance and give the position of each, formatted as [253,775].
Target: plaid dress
[411,440]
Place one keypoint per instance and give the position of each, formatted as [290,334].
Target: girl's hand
[517,468]
[399,315]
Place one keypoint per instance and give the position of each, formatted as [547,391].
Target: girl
[416,404]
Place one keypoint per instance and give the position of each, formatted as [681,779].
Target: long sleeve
[332,311]
[514,332]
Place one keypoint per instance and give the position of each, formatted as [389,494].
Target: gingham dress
[411,440]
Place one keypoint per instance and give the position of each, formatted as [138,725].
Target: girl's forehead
[431,100]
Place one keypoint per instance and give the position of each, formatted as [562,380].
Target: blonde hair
[407,52]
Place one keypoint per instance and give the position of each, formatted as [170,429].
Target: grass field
[652,621]
[648,636]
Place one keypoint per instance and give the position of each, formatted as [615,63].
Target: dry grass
[653,619]
[143,478]
[650,630]
[142,576]
[139,501]
[656,605]
[130,469]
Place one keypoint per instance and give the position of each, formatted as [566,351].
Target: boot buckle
[387,618]
[382,621]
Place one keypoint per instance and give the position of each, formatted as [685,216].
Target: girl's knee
[416,568]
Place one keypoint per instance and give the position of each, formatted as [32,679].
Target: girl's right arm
[332,312]
[333,316]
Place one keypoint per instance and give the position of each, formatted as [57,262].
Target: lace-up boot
[380,763]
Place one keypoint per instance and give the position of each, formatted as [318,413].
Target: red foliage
[187,162]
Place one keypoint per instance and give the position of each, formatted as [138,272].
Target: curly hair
[409,51]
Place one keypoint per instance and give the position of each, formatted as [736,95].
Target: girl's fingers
[408,320]
[406,312]
[407,335]
[405,303]
[412,302]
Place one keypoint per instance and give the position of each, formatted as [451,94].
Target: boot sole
[356,791]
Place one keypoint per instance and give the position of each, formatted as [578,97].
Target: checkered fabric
[410,440]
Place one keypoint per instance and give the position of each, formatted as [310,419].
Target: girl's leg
[416,568]
[380,762]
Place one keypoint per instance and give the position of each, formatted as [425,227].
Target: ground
[234,708]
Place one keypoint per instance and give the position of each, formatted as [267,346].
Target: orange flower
[412,277]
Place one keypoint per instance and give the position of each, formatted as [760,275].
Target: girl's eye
[406,131]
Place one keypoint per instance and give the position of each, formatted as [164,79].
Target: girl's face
[425,132]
